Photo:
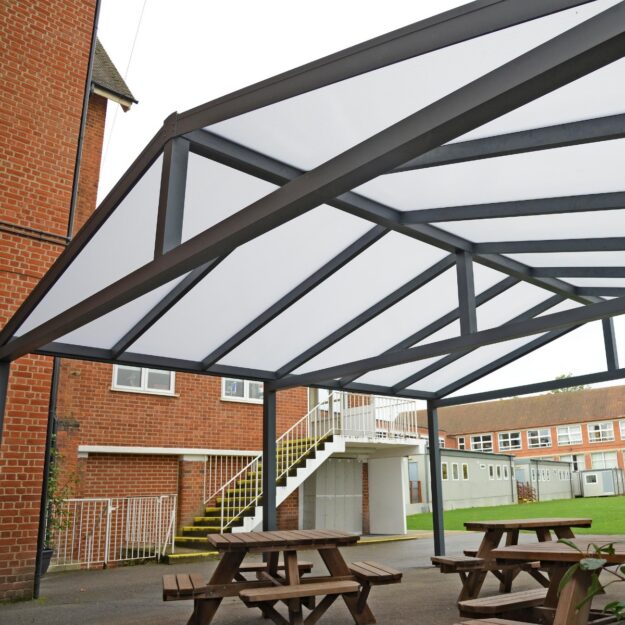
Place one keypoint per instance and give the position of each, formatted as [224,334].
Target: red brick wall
[43,64]
[288,512]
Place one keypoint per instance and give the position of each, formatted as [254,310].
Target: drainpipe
[41,534]
[512,478]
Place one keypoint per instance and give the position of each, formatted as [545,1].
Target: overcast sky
[190,51]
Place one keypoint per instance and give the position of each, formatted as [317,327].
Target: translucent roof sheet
[402,217]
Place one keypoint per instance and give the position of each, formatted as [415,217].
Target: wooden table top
[295,539]
[551,551]
[515,524]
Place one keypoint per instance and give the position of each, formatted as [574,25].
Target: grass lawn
[607,514]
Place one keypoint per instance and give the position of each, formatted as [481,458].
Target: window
[141,380]
[444,472]
[441,442]
[570,435]
[599,432]
[242,390]
[604,460]
[482,442]
[622,428]
[498,471]
[539,438]
[509,440]
[590,478]
[576,461]
[506,474]
[491,472]
[462,444]
[465,471]
[455,475]
[533,475]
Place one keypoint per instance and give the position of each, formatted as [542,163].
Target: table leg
[572,594]
[204,609]
[292,578]
[475,579]
[337,566]
[512,538]
[564,532]
[543,534]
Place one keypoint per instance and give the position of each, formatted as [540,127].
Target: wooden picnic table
[557,558]
[475,566]
[278,581]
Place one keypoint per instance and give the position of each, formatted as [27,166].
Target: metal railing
[350,415]
[220,469]
[98,531]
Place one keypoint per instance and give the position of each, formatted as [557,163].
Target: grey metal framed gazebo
[402,218]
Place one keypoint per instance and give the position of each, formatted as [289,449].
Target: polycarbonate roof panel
[306,130]
[124,243]
[248,281]
[572,259]
[572,170]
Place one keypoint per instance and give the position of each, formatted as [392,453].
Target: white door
[338,502]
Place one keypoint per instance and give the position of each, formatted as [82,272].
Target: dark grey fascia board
[441,322]
[160,309]
[518,208]
[507,359]
[546,246]
[601,291]
[538,309]
[561,60]
[528,389]
[536,139]
[297,293]
[467,22]
[125,184]
[567,318]
[579,272]
[373,311]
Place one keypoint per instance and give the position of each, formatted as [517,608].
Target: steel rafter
[466,292]
[579,272]
[547,138]
[561,60]
[568,318]
[538,309]
[599,244]
[518,208]
[609,341]
[314,280]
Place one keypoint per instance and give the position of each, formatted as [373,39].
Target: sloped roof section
[108,80]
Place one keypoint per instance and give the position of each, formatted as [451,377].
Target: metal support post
[436,481]
[269,460]
[609,338]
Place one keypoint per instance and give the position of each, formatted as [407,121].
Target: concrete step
[214,520]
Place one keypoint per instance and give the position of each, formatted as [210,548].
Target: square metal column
[436,481]
[269,460]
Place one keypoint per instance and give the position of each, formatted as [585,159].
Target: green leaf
[595,589]
[592,564]
[570,544]
[566,578]
[615,607]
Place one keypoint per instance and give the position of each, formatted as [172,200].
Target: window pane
[256,390]
[159,380]
[444,470]
[128,376]
[234,388]
[465,471]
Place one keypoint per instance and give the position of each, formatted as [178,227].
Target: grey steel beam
[514,355]
[561,60]
[547,138]
[270,474]
[125,184]
[518,208]
[378,308]
[466,293]
[441,322]
[314,280]
[601,291]
[506,332]
[171,197]
[436,482]
[607,244]
[160,309]
[538,309]
[4,389]
[611,349]
[579,272]
[528,389]
[471,20]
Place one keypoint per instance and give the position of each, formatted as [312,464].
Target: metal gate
[98,531]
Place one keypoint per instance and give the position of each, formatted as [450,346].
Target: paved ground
[132,595]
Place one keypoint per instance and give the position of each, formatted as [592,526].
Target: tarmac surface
[132,595]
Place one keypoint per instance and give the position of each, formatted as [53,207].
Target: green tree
[568,389]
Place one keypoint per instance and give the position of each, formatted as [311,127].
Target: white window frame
[465,471]
[509,446]
[498,470]
[565,431]
[143,389]
[604,430]
[246,399]
[441,442]
[480,442]
[603,454]
[506,473]
[444,471]
[491,472]
[539,434]
[455,471]
[622,428]
[462,444]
